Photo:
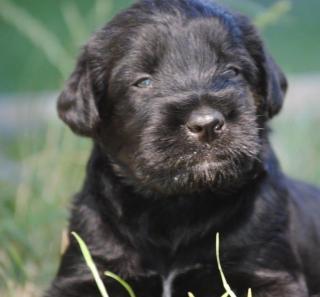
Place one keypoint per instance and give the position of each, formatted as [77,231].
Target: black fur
[154,194]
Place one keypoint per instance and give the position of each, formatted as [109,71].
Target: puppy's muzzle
[206,124]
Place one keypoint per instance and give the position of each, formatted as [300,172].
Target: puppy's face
[178,97]
[184,114]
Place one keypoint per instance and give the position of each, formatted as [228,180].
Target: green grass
[20,71]
[103,290]
[89,261]
[97,278]
[33,209]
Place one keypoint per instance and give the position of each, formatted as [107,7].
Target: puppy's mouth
[200,160]
[204,168]
[187,173]
[194,168]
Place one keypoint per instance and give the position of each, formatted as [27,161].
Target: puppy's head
[177,93]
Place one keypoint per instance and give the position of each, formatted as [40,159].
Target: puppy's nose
[206,123]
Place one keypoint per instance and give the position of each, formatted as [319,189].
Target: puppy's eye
[145,82]
[232,71]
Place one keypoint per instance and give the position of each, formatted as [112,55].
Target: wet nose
[206,123]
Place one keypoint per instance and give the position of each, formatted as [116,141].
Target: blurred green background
[42,162]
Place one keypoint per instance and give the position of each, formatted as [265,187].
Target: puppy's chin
[220,175]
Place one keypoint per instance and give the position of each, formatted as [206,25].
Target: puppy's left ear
[272,83]
[77,104]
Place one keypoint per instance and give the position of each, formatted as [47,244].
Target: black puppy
[177,95]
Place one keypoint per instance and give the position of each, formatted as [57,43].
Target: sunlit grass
[103,290]
[90,263]
[122,282]
[226,286]
[33,210]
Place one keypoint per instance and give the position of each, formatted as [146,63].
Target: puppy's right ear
[77,104]
[272,84]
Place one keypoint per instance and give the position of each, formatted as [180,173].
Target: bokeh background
[42,163]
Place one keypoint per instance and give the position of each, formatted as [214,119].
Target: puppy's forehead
[180,43]
[195,37]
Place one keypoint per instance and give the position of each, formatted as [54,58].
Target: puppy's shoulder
[302,193]
[304,201]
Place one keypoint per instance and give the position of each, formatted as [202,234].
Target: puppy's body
[269,242]
[177,95]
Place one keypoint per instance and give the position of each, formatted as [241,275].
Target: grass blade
[91,265]
[273,14]
[36,32]
[122,282]
[101,12]
[229,292]
[75,22]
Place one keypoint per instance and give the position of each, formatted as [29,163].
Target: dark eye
[145,82]
[232,71]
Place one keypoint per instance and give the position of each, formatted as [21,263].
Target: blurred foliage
[33,210]
[294,40]
[297,144]
[77,24]
[294,36]
[36,48]
[273,14]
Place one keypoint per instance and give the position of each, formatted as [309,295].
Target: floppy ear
[272,83]
[77,104]
[277,86]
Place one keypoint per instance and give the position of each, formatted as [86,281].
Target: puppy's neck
[122,196]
